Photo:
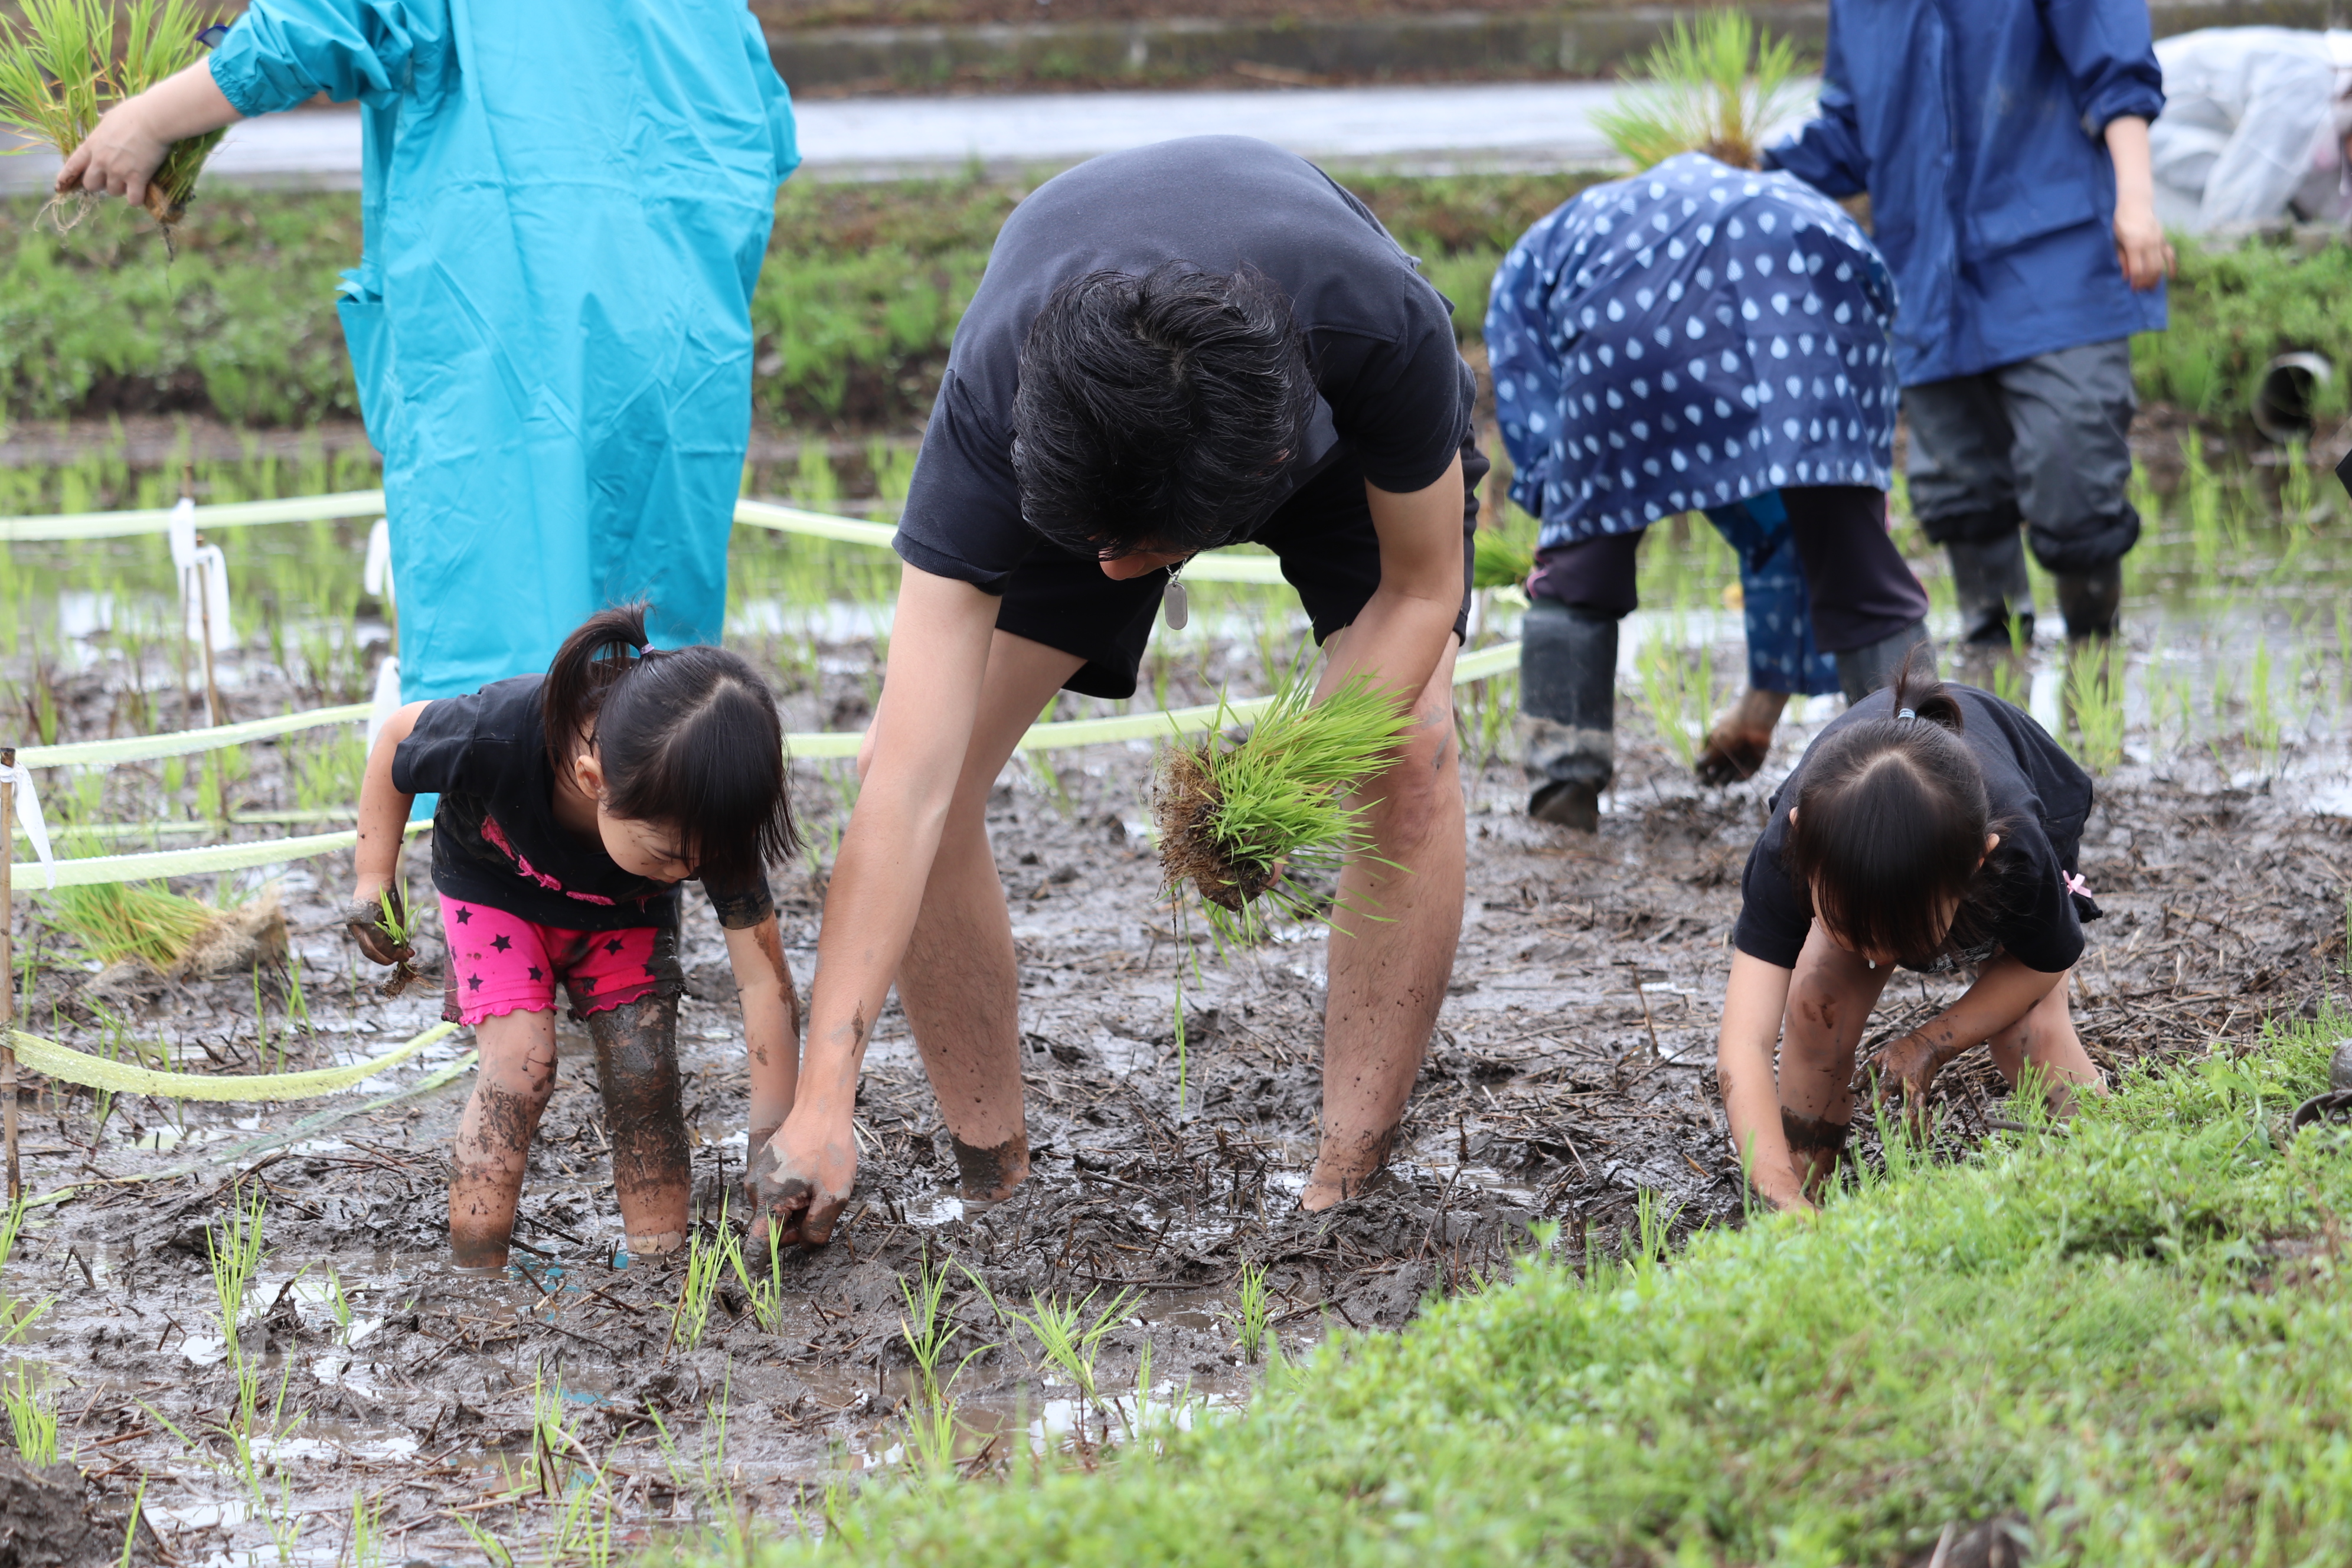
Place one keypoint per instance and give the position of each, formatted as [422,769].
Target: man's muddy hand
[799,1185]
[366,919]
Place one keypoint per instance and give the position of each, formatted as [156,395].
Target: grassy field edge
[2128,1333]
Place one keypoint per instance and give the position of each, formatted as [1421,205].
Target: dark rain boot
[1989,582]
[1568,701]
[1863,670]
[2092,601]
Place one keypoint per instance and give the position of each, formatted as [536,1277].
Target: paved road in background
[1531,126]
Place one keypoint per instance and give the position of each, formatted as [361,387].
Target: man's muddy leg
[958,984]
[636,1068]
[1830,998]
[1388,973]
[510,1088]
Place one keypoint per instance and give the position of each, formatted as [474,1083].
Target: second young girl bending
[573,804]
[1930,827]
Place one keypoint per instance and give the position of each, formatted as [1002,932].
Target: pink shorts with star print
[501,964]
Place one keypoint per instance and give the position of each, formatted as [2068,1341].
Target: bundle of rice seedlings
[1241,821]
[118,920]
[1716,88]
[69,61]
[1501,562]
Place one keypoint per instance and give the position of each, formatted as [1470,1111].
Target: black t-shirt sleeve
[1403,407]
[1774,917]
[2038,927]
[433,760]
[740,908]
[963,518]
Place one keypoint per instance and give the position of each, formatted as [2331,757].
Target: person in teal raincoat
[566,211]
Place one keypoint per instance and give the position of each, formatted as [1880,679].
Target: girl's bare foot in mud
[1337,1178]
[636,1068]
[1735,747]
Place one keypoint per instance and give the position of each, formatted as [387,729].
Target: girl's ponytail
[1915,696]
[595,655]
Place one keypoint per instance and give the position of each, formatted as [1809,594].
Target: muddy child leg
[2046,1038]
[1830,998]
[636,1068]
[511,1089]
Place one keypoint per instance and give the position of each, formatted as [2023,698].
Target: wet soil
[1570,1074]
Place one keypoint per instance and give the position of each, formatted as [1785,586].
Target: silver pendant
[1174,605]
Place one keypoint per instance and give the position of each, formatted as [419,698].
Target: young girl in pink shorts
[573,804]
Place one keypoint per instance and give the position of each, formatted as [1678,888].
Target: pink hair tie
[2075,884]
[647,652]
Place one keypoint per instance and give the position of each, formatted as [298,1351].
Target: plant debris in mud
[1236,819]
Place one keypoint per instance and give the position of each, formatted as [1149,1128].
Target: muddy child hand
[1907,1067]
[379,925]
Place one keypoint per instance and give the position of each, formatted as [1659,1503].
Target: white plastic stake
[376,576]
[29,817]
[386,701]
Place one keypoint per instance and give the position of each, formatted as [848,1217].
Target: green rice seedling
[2095,696]
[1251,1316]
[1501,562]
[706,1263]
[1715,88]
[493,1550]
[1680,691]
[2262,727]
[235,1252]
[117,921]
[32,1417]
[1237,821]
[364,1547]
[67,60]
[814,485]
[1069,1338]
[555,1444]
[766,1296]
[2203,489]
[130,1525]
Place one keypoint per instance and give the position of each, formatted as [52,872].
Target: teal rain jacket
[566,207]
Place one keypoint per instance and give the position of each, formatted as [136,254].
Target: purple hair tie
[647,652]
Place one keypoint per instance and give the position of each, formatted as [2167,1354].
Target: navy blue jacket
[1976,126]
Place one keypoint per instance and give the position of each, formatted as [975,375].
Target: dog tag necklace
[1173,604]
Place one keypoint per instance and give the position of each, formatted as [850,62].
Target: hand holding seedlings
[1233,818]
[379,922]
[69,55]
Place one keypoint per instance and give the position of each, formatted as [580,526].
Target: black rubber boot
[1989,582]
[1863,670]
[1567,702]
[2092,601]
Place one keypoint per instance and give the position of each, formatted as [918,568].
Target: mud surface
[1571,1072]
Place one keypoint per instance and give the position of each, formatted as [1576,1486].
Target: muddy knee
[988,1174]
[1816,1144]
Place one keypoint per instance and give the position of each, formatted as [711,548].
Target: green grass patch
[2131,1331]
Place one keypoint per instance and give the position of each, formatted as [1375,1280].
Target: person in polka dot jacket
[1698,338]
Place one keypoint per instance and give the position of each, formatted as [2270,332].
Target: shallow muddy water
[571,1408]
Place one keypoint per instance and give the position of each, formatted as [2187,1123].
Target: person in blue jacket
[2004,145]
[1698,338]
[566,209]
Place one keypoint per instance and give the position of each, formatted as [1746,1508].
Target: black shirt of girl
[2039,801]
[496,839]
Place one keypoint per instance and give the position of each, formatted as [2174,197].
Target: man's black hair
[1157,412]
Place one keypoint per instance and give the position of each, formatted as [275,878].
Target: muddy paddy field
[241,1316]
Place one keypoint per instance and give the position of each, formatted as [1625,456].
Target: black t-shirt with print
[496,839]
[2035,791]
[1391,387]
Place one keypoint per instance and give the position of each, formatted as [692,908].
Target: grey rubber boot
[1990,580]
[2092,601]
[1568,701]
[1863,670]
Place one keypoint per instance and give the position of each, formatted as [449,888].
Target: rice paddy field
[235,1319]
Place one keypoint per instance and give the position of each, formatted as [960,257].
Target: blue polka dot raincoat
[1684,340]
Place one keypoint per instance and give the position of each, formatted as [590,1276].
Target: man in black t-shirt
[1199,342]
